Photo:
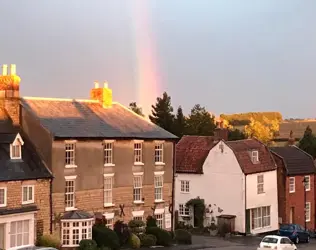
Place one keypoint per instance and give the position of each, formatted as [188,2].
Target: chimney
[221,134]
[10,93]
[291,140]
[103,95]
[12,69]
[4,69]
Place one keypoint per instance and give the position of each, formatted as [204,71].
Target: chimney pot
[4,69]
[96,85]
[12,69]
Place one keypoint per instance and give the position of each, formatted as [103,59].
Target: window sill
[27,202]
[160,163]
[3,205]
[70,245]
[184,192]
[308,220]
[260,228]
[109,205]
[307,190]
[139,164]
[159,201]
[139,202]
[109,165]
[67,209]
[70,166]
[186,216]
[292,192]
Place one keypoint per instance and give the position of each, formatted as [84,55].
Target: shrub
[183,237]
[122,231]
[151,221]
[163,236]
[148,240]
[49,241]
[134,241]
[88,245]
[106,237]
[136,226]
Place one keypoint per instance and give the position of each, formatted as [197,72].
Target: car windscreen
[270,240]
[287,227]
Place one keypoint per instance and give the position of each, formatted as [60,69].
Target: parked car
[276,242]
[295,232]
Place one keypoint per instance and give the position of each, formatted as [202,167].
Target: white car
[277,243]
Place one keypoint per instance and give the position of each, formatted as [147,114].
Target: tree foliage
[180,123]
[138,110]
[263,131]
[308,142]
[236,134]
[245,118]
[162,113]
[200,121]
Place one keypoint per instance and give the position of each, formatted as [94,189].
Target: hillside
[243,119]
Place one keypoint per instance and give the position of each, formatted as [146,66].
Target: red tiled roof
[242,150]
[191,152]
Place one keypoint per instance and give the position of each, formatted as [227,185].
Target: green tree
[138,110]
[162,113]
[179,123]
[200,121]
[308,142]
[236,134]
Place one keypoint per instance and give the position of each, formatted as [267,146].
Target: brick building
[25,209]
[295,166]
[106,160]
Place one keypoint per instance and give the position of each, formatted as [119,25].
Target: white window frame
[71,154]
[261,219]
[159,150]
[20,231]
[28,199]
[184,211]
[138,186]
[308,185]
[18,142]
[108,201]
[185,186]
[138,152]
[4,189]
[158,188]
[109,217]
[292,185]
[71,226]
[138,215]
[108,153]
[308,211]
[159,216]
[255,156]
[69,193]
[260,184]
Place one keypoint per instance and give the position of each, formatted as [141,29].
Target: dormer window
[16,148]
[254,156]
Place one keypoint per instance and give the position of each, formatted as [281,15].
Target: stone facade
[41,200]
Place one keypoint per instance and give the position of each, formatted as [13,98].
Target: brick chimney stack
[103,95]
[221,133]
[291,140]
[10,93]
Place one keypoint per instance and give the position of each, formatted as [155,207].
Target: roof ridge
[58,99]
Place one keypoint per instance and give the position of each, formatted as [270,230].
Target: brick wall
[41,196]
[296,200]
[92,201]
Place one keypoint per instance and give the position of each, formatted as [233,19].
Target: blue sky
[227,55]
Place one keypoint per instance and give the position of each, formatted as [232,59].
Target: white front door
[2,236]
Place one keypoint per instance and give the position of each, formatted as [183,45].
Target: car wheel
[297,240]
[307,239]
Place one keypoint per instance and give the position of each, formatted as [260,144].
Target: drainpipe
[245,176]
[173,185]
[51,205]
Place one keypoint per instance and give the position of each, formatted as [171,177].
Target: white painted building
[234,178]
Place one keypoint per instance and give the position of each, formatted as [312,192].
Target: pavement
[232,243]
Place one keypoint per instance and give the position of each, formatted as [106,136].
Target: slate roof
[191,152]
[242,150]
[27,168]
[66,118]
[76,215]
[18,210]
[295,160]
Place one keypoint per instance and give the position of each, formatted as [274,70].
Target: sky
[230,56]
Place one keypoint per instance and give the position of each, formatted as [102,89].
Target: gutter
[173,186]
[51,206]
